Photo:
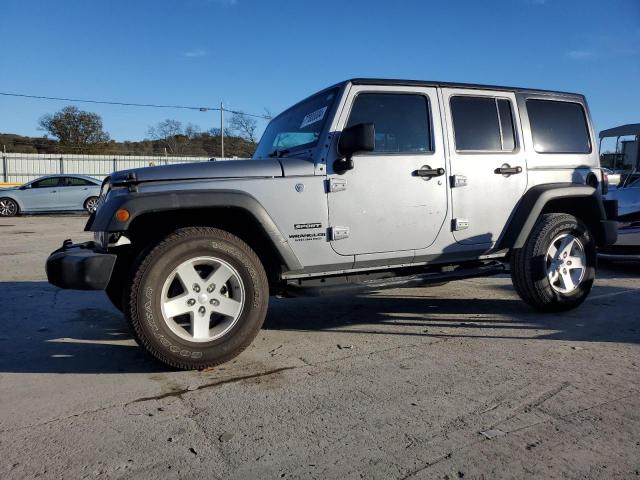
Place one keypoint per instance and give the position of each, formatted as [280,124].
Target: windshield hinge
[336,184]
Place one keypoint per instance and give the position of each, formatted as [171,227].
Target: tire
[172,302]
[8,207]
[90,204]
[116,294]
[118,291]
[543,275]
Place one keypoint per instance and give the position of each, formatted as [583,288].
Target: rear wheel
[8,207]
[198,298]
[555,269]
[90,204]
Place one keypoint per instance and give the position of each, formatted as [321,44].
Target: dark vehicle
[620,152]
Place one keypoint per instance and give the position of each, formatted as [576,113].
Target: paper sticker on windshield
[313,117]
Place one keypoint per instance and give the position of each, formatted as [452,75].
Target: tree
[244,126]
[76,129]
[191,131]
[169,132]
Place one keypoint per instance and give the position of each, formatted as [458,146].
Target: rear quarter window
[558,127]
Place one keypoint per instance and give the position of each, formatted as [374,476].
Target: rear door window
[558,127]
[401,121]
[75,182]
[483,124]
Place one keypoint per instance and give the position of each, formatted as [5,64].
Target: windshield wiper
[278,153]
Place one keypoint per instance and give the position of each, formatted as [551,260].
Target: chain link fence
[18,168]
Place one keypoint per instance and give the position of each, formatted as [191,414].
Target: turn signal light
[122,215]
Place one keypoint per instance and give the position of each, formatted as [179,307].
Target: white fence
[22,167]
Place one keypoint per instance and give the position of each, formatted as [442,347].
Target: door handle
[507,170]
[427,172]
[54,191]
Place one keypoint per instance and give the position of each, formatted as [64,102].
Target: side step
[621,257]
[353,284]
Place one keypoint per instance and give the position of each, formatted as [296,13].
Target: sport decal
[306,226]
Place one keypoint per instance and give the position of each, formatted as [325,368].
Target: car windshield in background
[300,126]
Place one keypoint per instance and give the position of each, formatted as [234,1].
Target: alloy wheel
[202,299]
[566,263]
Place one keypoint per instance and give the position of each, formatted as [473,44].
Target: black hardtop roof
[434,83]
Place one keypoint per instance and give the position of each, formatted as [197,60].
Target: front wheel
[198,298]
[555,269]
[8,207]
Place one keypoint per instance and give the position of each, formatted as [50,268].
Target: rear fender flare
[533,204]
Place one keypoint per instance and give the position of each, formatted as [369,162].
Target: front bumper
[80,267]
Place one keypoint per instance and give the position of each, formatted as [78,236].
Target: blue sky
[253,54]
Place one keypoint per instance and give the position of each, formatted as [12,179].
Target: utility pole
[221,130]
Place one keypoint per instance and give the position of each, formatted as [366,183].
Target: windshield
[300,126]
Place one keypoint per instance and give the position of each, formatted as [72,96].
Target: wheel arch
[153,216]
[86,199]
[581,201]
[11,197]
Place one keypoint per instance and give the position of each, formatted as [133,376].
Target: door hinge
[336,184]
[459,224]
[458,181]
[338,233]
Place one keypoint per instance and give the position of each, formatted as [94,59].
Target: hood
[266,168]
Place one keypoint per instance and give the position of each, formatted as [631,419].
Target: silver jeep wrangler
[368,184]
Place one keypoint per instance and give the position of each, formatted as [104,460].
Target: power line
[124,104]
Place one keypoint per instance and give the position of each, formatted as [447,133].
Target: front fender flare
[140,203]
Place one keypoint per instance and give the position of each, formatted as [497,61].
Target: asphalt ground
[391,385]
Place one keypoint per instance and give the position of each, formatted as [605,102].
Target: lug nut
[214,302]
[564,270]
[196,288]
[201,310]
[568,262]
[211,288]
[191,302]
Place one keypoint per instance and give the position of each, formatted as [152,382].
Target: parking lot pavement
[395,384]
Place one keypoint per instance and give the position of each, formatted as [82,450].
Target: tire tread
[178,236]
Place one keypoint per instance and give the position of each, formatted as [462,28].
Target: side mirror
[357,138]
[24,187]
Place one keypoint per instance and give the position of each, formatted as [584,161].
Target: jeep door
[383,204]
[487,162]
